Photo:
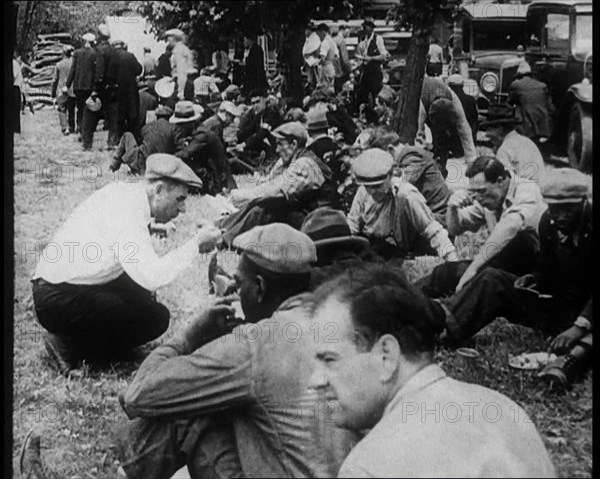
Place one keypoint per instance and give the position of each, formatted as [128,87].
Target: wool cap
[278,247]
[163,165]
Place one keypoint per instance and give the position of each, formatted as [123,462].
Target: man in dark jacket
[106,86]
[148,102]
[255,127]
[456,83]
[158,136]
[557,296]
[163,66]
[81,76]
[534,106]
[255,77]
[127,69]
[204,152]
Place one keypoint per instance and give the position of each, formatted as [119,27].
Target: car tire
[579,139]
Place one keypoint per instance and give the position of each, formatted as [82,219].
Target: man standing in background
[182,65]
[342,63]
[148,63]
[81,76]
[435,59]
[66,98]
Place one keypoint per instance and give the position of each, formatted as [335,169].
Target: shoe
[30,462]
[115,165]
[59,353]
[561,373]
[66,132]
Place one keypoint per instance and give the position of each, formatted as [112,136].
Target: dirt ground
[77,416]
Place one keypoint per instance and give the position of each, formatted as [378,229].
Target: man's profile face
[379,192]
[347,376]
[168,202]
[566,216]
[259,104]
[490,195]
[368,29]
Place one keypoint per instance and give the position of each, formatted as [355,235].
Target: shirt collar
[419,381]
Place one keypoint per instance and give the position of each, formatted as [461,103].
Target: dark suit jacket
[125,68]
[160,136]
[104,73]
[250,132]
[81,75]
[255,76]
[534,107]
[215,125]
[147,103]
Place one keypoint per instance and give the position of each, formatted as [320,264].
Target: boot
[30,463]
[565,370]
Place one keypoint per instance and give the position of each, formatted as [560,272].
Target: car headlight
[489,82]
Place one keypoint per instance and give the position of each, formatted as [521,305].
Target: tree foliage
[421,16]
[213,24]
[42,17]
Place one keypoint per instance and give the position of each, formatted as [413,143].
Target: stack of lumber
[47,52]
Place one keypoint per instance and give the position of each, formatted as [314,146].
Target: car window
[503,36]
[557,31]
[583,34]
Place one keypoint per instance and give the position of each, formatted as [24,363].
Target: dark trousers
[80,97]
[110,107]
[151,448]
[17,109]
[492,294]
[370,84]
[261,211]
[66,112]
[517,257]
[435,69]
[100,321]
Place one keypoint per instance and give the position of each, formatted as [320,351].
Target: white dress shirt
[107,235]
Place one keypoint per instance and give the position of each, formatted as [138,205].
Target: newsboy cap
[163,110]
[372,167]
[165,166]
[456,79]
[294,130]
[103,30]
[89,37]
[278,247]
[565,185]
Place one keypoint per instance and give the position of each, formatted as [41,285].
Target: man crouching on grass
[92,288]
[378,373]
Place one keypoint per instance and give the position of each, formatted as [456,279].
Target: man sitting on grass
[298,183]
[239,405]
[511,209]
[93,287]
[556,297]
[378,372]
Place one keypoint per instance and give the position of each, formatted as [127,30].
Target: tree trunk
[407,114]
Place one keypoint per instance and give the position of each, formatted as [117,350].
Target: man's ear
[389,354]
[261,288]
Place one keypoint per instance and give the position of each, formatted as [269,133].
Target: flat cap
[117,41]
[372,166]
[89,37]
[294,130]
[162,165]
[279,248]
[174,32]
[565,185]
[524,68]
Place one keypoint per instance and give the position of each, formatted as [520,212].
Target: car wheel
[579,140]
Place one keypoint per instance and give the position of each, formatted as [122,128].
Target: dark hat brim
[499,121]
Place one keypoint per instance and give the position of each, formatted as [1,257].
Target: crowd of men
[335,342]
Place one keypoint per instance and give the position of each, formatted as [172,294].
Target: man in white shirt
[182,64]
[92,288]
[378,374]
[435,59]
[328,53]
[372,52]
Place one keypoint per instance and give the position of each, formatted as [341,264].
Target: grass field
[76,416]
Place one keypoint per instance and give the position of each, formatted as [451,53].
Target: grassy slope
[77,416]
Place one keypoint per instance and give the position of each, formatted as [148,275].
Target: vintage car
[486,42]
[560,54]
